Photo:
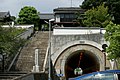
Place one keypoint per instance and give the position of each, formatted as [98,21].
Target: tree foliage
[113,7]
[113,36]
[28,15]
[96,17]
[88,4]
[8,43]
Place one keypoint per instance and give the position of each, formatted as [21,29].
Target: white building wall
[19,26]
[77,31]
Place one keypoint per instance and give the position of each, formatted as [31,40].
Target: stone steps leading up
[25,61]
[11,75]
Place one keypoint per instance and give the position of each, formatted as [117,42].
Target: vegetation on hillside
[113,36]
[9,44]
[96,17]
[113,7]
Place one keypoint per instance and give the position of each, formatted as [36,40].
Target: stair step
[10,75]
[26,58]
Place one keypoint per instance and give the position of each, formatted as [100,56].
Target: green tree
[113,36]
[97,17]
[88,4]
[12,18]
[28,15]
[9,44]
[114,10]
[113,7]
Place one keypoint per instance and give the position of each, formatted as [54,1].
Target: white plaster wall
[19,26]
[77,31]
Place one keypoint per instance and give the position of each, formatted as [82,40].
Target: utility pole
[71,3]
[49,56]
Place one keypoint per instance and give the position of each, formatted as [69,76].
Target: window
[72,15]
[61,15]
[67,17]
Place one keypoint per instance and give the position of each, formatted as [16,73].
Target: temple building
[63,16]
[66,16]
[5,16]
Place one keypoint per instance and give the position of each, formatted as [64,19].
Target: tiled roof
[46,15]
[68,10]
[4,14]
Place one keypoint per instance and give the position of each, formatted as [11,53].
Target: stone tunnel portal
[84,59]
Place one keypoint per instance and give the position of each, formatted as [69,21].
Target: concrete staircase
[25,61]
[10,75]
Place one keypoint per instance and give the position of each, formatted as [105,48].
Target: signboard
[59,75]
[78,71]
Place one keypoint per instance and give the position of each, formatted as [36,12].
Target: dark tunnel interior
[86,60]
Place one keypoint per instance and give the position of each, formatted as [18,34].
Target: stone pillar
[36,67]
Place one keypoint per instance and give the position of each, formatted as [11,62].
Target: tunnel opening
[88,62]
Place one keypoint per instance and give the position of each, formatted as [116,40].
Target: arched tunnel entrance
[67,59]
[84,59]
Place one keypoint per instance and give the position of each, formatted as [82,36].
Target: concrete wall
[77,30]
[18,26]
[62,36]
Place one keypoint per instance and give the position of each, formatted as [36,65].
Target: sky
[42,6]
